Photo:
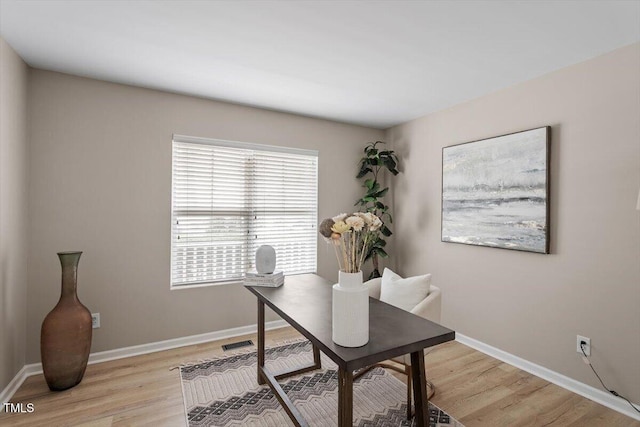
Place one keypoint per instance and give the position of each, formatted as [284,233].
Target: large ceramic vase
[65,339]
[350,311]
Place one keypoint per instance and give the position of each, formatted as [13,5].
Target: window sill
[204,285]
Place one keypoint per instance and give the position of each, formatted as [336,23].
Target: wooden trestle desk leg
[261,380]
[420,389]
[345,398]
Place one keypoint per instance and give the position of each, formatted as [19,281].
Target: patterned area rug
[224,392]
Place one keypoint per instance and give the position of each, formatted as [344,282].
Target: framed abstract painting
[495,191]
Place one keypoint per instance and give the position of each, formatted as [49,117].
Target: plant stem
[335,248]
[344,252]
[353,251]
[364,250]
[374,260]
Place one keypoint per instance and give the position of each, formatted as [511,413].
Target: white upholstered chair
[429,308]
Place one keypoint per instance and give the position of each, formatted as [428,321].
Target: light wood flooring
[474,388]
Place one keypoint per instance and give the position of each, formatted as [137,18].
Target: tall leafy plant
[376,160]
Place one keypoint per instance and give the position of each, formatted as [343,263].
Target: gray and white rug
[224,392]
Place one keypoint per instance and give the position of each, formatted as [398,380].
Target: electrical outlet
[587,347]
[95,320]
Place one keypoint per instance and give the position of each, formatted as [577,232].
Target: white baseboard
[13,386]
[136,350]
[556,378]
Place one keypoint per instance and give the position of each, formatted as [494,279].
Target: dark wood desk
[304,301]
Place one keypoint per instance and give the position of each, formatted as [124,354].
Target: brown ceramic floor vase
[65,339]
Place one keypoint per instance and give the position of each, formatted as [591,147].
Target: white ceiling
[374,63]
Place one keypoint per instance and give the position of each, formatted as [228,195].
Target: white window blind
[229,198]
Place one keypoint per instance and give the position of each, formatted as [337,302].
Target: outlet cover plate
[95,320]
[587,348]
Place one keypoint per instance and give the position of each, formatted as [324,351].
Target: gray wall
[533,305]
[13,212]
[101,183]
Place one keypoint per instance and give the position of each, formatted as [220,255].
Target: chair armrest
[374,287]
[430,307]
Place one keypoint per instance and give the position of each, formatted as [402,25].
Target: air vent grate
[238,344]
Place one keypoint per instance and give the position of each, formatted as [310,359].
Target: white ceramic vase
[350,306]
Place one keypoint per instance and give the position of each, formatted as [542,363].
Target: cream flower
[368,218]
[371,220]
[361,215]
[355,222]
[340,227]
[339,217]
[375,224]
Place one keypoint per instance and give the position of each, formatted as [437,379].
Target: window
[231,197]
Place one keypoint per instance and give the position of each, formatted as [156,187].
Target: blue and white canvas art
[495,192]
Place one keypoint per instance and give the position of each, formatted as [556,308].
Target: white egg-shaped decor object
[265,259]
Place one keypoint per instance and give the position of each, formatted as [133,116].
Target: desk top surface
[304,301]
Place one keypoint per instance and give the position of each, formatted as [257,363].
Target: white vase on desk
[350,315]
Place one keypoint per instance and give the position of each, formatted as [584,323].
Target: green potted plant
[375,161]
